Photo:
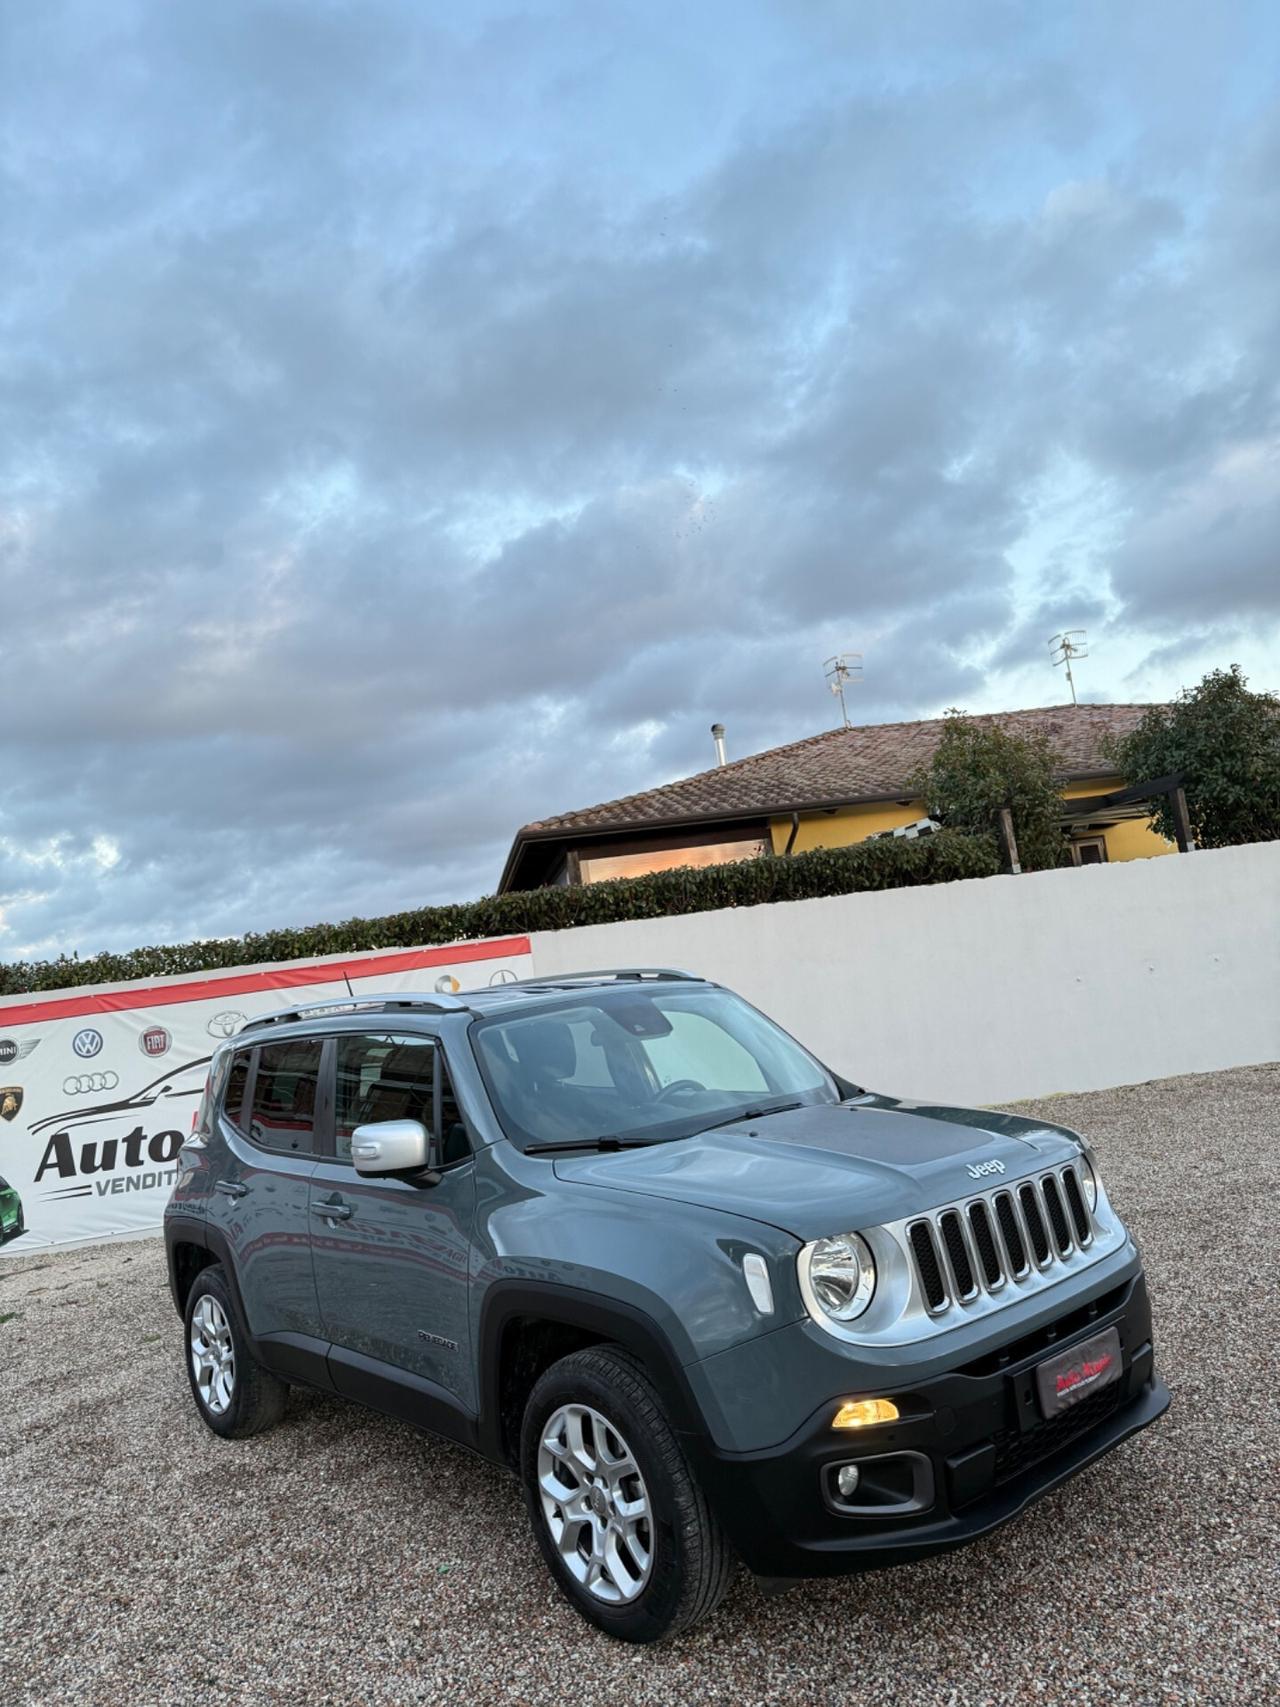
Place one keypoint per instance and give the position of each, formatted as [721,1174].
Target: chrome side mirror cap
[390,1146]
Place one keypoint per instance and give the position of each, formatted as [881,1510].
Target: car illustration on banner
[12,1224]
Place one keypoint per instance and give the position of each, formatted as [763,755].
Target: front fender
[677,1265]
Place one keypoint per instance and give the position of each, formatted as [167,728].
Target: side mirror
[390,1147]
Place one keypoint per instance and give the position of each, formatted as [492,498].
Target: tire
[663,1572]
[235,1396]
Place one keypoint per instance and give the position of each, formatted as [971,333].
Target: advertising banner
[98,1087]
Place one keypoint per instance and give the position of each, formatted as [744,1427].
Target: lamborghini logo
[10,1101]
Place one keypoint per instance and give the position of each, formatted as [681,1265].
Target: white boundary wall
[998,988]
[975,992]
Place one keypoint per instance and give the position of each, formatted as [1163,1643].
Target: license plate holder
[1064,1380]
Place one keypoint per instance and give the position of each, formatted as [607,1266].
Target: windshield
[648,1065]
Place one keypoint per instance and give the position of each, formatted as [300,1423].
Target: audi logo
[84,1084]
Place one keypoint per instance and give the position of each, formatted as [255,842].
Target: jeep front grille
[1001,1236]
[957,1254]
[927,1268]
[984,1239]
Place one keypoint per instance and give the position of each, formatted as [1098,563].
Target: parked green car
[11,1222]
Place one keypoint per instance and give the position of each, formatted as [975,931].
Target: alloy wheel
[213,1357]
[595,1504]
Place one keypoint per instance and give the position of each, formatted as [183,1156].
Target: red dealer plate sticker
[1073,1375]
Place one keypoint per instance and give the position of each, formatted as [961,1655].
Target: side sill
[409,1398]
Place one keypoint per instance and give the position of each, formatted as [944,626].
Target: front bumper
[969,1452]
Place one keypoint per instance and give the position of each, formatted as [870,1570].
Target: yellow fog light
[861,1413]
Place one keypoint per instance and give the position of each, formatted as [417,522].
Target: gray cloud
[411,426]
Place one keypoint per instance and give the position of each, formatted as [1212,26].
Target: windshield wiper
[752,1114]
[608,1142]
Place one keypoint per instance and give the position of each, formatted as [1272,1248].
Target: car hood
[832,1168]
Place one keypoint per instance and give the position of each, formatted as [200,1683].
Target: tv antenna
[1066,646]
[844,667]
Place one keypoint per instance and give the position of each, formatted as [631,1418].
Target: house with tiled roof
[827,791]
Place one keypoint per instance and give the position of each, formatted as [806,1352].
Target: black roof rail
[439,1004]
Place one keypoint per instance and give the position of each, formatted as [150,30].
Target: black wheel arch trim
[190,1230]
[609,1319]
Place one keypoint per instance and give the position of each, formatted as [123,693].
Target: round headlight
[842,1275]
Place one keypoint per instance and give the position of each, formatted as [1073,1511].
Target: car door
[261,1161]
[392,1253]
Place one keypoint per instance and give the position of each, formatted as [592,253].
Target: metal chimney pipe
[717,735]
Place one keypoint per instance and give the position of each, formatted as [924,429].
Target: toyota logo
[225,1024]
[85,1084]
[86,1044]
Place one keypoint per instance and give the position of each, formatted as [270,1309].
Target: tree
[978,768]
[1225,743]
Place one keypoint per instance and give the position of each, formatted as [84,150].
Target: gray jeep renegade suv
[710,1301]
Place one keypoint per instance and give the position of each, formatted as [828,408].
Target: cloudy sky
[418,419]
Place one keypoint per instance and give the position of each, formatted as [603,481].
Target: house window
[1089,850]
[596,867]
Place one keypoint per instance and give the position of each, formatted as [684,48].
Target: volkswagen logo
[85,1084]
[225,1025]
[87,1043]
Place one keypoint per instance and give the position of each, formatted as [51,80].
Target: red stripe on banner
[243,983]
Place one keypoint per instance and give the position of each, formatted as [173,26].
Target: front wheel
[625,1529]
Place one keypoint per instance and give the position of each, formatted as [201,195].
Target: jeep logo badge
[979,1170]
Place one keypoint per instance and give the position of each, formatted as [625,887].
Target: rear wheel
[624,1527]
[234,1394]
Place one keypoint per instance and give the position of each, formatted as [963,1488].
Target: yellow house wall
[1133,839]
[850,824]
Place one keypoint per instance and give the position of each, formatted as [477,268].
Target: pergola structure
[1097,811]
[1121,803]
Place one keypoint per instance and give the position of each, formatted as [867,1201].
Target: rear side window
[237,1083]
[203,1117]
[284,1095]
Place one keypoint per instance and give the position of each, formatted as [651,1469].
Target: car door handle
[231,1188]
[333,1211]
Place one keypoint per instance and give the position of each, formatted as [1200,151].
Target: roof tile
[846,765]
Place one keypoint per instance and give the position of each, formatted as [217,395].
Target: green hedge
[888,864]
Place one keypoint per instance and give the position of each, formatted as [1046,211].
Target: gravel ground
[344,1558]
